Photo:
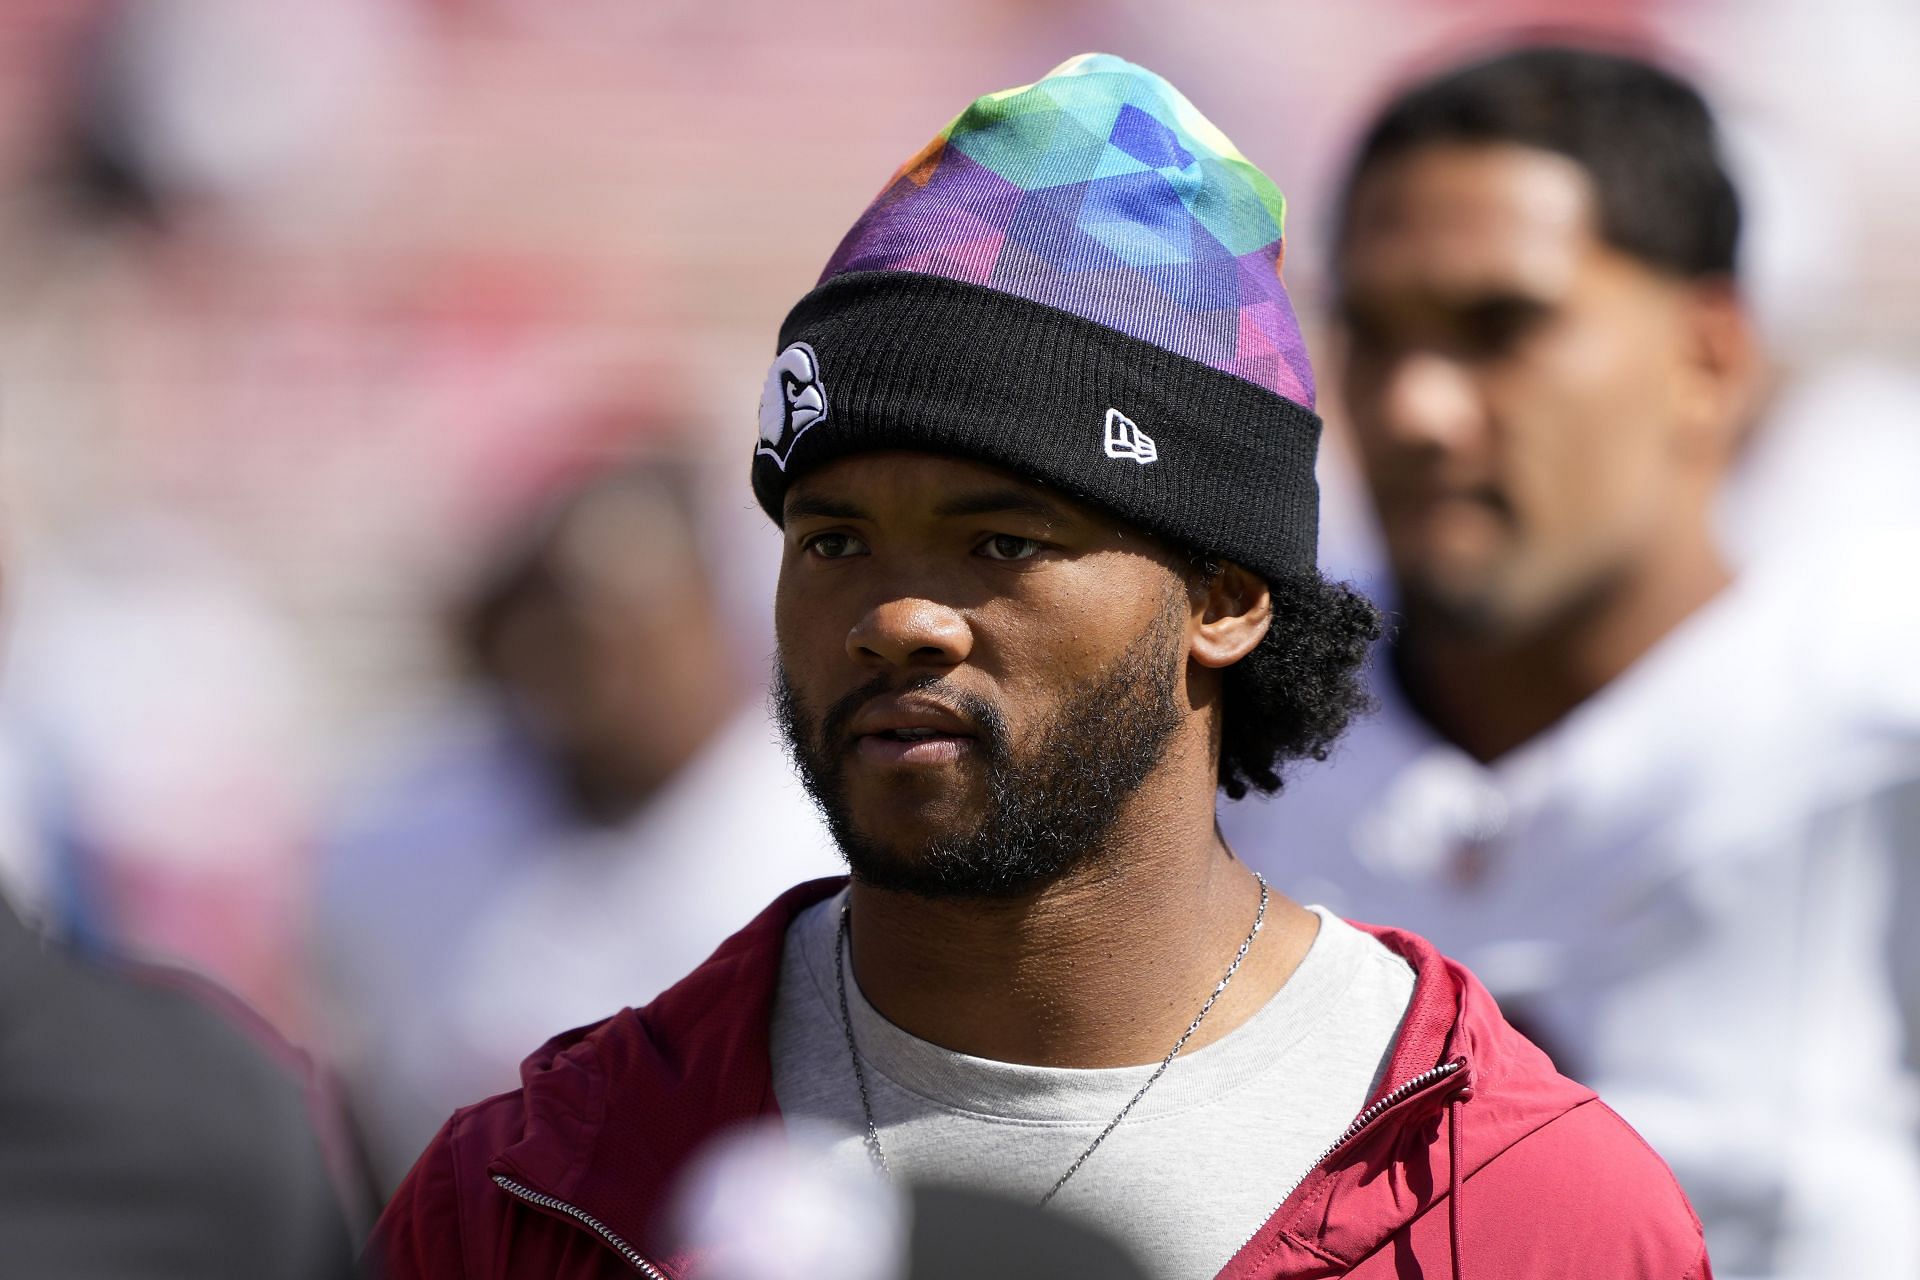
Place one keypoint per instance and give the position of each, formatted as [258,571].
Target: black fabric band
[917,362]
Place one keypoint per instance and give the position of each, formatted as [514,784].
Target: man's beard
[1048,808]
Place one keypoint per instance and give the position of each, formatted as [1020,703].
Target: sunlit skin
[905,565]
[1543,420]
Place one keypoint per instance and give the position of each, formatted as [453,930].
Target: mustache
[1419,481]
[835,725]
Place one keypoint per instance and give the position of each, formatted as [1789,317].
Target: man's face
[579,647]
[974,672]
[1520,390]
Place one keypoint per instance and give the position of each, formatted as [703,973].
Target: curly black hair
[1294,695]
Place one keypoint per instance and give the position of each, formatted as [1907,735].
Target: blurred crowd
[386,615]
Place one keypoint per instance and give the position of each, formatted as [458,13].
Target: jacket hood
[610,1114]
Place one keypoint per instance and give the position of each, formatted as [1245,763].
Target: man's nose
[1425,400]
[909,632]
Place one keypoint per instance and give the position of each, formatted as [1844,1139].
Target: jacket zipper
[625,1250]
[1425,1080]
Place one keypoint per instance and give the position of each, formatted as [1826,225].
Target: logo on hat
[793,400]
[1125,439]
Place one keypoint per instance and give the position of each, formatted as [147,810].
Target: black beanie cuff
[908,361]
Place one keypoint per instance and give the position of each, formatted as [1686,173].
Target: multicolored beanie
[1078,280]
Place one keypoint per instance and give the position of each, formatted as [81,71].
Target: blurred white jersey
[1698,892]
[469,919]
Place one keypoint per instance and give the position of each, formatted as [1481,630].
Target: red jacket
[1477,1159]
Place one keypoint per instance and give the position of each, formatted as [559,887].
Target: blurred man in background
[1668,815]
[595,819]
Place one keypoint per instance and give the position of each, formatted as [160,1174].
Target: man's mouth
[911,731]
[1428,493]
[922,745]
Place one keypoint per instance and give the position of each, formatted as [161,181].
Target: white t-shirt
[1696,892]
[1192,1172]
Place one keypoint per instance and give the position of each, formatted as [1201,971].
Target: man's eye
[833,546]
[1496,327]
[1364,331]
[1005,546]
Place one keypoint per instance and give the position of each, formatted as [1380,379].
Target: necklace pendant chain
[877,1154]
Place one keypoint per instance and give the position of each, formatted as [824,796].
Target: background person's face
[976,673]
[609,645]
[1520,391]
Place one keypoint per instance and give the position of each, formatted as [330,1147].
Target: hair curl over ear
[1294,695]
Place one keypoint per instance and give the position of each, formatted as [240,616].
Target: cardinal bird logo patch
[793,402]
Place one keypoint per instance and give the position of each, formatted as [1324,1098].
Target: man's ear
[1723,369]
[1231,613]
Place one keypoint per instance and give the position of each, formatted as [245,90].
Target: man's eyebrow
[999,502]
[1493,304]
[800,506]
[1508,305]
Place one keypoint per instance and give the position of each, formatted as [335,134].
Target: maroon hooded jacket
[1476,1159]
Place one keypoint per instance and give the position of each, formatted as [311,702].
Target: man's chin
[947,868]
[894,859]
[1469,604]
[908,813]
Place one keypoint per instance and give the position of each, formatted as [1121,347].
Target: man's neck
[1490,693]
[1103,968]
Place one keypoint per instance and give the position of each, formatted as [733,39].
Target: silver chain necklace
[879,1156]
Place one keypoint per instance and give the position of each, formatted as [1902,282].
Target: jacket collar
[613,1112]
[1400,1166]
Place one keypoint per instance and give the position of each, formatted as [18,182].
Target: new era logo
[1125,439]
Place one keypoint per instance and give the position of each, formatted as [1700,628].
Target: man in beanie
[1041,447]
[1665,805]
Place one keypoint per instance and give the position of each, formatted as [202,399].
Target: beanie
[1078,280]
